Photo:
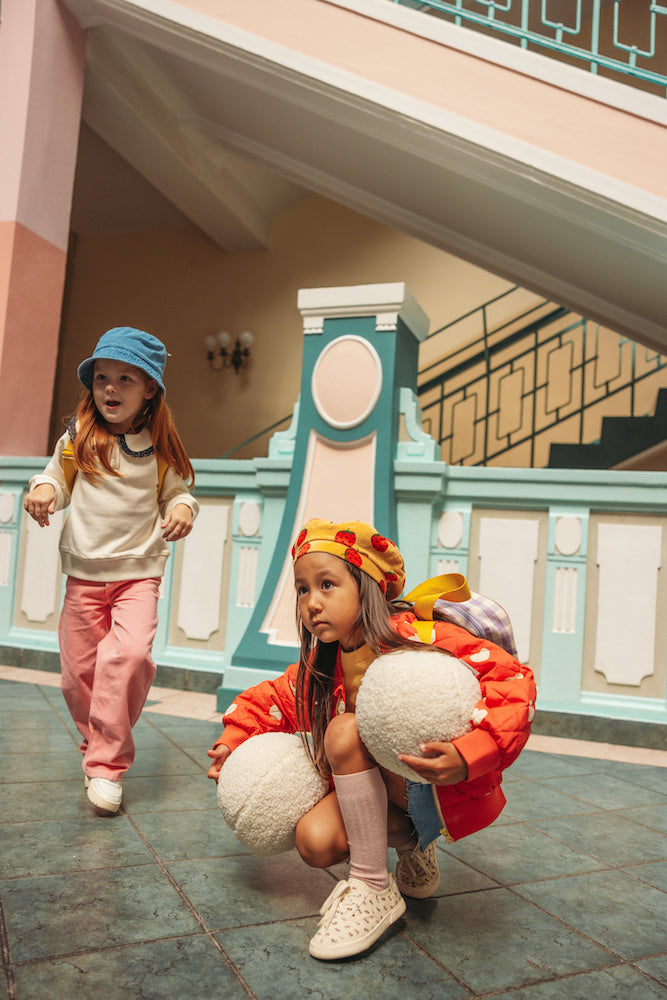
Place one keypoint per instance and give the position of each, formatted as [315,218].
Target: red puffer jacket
[501,722]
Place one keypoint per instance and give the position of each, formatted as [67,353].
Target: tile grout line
[538,743]
[195,913]
[6,956]
[619,959]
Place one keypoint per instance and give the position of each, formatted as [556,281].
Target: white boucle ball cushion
[409,697]
[265,787]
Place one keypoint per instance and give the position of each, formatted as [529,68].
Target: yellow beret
[358,544]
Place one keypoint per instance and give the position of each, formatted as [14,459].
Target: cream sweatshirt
[113,529]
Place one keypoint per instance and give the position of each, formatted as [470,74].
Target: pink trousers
[106,633]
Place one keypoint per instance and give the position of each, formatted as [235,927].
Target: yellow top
[354,665]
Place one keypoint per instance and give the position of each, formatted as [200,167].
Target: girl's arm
[40,502]
[177,506]
[267,707]
[219,755]
[174,492]
[441,765]
[502,719]
[48,490]
[178,523]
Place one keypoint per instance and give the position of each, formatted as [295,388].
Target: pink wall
[596,136]
[32,275]
[42,59]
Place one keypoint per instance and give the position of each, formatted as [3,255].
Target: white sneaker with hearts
[353,917]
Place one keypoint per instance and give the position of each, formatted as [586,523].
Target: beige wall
[178,285]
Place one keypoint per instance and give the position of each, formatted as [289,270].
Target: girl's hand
[219,755]
[41,502]
[178,523]
[442,765]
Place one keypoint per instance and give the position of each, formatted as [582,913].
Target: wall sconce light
[218,350]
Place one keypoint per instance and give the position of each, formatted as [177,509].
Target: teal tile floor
[564,898]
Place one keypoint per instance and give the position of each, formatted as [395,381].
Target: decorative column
[360,349]
[560,676]
[42,60]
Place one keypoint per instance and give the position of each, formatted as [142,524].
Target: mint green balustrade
[512,20]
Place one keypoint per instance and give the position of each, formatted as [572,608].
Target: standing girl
[346,577]
[122,468]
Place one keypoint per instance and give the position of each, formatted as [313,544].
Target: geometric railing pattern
[622,39]
[540,377]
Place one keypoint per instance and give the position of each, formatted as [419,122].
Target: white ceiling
[184,124]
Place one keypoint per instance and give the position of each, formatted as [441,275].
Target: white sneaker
[104,794]
[417,872]
[354,916]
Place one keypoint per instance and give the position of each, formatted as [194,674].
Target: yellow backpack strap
[424,630]
[449,587]
[161,473]
[69,467]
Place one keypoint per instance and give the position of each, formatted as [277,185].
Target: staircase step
[621,438]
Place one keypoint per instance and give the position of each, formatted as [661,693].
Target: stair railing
[597,38]
[537,378]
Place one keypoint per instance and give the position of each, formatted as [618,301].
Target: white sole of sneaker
[347,949]
[100,803]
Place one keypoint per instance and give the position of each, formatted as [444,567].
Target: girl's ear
[151,388]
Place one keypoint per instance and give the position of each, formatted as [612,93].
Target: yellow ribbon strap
[424,630]
[449,587]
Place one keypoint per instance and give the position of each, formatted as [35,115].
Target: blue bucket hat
[135,347]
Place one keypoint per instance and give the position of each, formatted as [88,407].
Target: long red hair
[93,443]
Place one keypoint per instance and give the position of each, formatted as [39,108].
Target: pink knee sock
[362,798]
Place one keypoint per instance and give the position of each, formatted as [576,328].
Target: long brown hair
[317,662]
[93,442]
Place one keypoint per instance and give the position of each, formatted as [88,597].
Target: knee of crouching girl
[342,745]
[320,836]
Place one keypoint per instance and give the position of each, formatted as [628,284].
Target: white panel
[450,529]
[247,580]
[508,551]
[250,516]
[447,566]
[346,402]
[566,579]
[5,556]
[6,507]
[625,638]
[201,573]
[567,536]
[41,570]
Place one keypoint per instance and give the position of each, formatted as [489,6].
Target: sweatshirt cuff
[187,500]
[62,496]
[480,752]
